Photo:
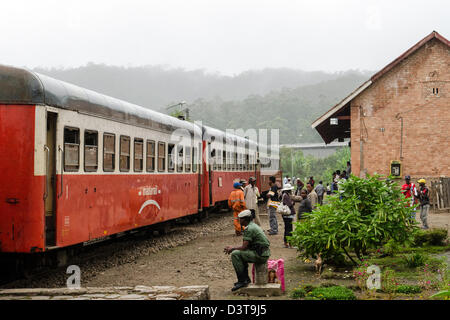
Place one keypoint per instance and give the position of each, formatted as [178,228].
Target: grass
[332,293]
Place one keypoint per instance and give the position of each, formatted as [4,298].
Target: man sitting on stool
[254,249]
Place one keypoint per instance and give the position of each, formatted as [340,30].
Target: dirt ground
[202,261]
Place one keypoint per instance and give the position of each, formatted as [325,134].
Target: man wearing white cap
[254,249]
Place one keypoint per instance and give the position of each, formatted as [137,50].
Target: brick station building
[399,119]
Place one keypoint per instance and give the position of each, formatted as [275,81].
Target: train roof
[21,86]
[209,132]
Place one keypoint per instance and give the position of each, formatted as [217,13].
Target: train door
[210,173]
[50,182]
[198,163]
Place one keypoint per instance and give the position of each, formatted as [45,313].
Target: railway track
[47,270]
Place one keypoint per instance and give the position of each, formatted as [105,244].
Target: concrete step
[265,290]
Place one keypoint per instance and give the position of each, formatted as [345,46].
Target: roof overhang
[329,132]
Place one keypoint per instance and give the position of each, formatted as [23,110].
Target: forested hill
[290,110]
[271,98]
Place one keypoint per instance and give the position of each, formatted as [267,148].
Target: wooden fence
[440,194]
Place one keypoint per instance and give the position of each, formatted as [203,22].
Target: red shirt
[409,190]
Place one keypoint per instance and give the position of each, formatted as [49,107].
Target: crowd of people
[281,200]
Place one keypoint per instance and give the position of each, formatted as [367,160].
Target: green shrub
[371,212]
[333,293]
[407,289]
[436,263]
[391,247]
[443,295]
[434,237]
[298,293]
[414,260]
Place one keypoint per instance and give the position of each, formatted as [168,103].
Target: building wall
[406,92]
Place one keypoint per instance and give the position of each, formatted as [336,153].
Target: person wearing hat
[271,205]
[236,201]
[243,183]
[410,192]
[424,198]
[251,195]
[287,219]
[254,249]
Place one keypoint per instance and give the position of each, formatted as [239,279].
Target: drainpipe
[401,135]
[362,173]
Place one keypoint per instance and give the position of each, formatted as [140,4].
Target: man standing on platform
[424,198]
[236,201]
[254,249]
[272,206]
[251,195]
[312,195]
[320,190]
[410,192]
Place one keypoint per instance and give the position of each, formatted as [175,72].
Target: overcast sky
[225,36]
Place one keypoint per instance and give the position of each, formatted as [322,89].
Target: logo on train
[149,191]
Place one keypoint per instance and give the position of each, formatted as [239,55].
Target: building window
[171,157]
[138,155]
[180,159]
[161,156]
[71,149]
[124,164]
[150,156]
[109,152]
[90,150]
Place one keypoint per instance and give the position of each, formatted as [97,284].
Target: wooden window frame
[113,153]
[160,143]
[76,144]
[194,159]
[169,169]
[147,157]
[180,158]
[129,153]
[138,140]
[96,153]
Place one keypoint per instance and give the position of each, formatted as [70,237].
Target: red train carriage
[228,158]
[76,165]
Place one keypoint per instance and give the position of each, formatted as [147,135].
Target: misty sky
[225,36]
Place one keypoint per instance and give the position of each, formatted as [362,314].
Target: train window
[124,160]
[234,161]
[180,159]
[224,163]
[188,164]
[161,156]
[171,157]
[228,161]
[214,159]
[219,160]
[71,149]
[90,150]
[109,152]
[150,156]
[138,155]
[194,159]
[247,162]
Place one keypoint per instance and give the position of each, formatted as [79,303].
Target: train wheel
[164,228]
